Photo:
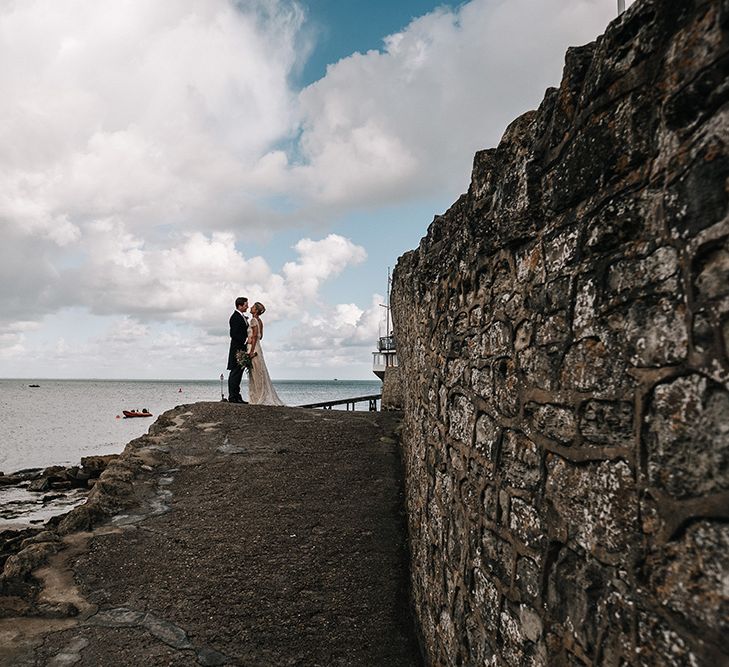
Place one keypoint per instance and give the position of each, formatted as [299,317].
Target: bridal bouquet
[245,361]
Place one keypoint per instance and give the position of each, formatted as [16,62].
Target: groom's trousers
[234,379]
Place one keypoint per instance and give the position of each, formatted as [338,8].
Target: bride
[260,388]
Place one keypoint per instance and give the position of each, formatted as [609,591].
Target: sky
[159,159]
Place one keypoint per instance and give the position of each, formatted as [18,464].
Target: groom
[238,336]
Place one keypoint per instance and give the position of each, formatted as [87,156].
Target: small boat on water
[34,385]
[128,414]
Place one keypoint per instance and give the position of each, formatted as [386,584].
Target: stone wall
[392,396]
[563,333]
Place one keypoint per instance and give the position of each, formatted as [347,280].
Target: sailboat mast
[387,308]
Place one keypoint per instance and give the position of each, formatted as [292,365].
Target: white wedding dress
[260,387]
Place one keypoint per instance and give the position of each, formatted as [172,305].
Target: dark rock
[28,473]
[95,465]
[65,486]
[40,485]
[20,565]
[43,536]
[54,472]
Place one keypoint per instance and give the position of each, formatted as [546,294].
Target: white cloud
[197,279]
[335,328]
[320,260]
[149,111]
[384,126]
[141,141]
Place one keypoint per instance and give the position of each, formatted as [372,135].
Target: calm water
[63,420]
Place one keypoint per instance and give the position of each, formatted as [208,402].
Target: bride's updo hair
[260,308]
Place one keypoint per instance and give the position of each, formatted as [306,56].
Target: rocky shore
[33,495]
[226,535]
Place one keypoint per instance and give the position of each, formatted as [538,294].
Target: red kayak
[134,413]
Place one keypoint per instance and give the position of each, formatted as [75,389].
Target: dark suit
[238,335]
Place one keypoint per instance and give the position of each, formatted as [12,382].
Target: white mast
[386,305]
[387,333]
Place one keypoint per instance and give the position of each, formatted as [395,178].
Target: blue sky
[159,159]
[348,26]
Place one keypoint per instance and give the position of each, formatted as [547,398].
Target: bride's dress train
[260,387]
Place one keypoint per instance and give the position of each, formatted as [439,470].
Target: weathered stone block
[586,318]
[557,294]
[460,325]
[496,340]
[525,523]
[497,557]
[523,335]
[711,268]
[620,220]
[540,367]
[487,435]
[555,422]
[457,373]
[506,383]
[513,641]
[520,463]
[461,416]
[691,578]
[586,598]
[655,270]
[607,422]
[560,249]
[656,332]
[699,198]
[589,366]
[482,381]
[554,330]
[686,435]
[702,333]
[491,503]
[660,645]
[530,264]
[527,580]
[486,597]
[596,502]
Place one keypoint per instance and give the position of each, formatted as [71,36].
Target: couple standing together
[245,336]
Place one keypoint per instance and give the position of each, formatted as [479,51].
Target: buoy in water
[179,391]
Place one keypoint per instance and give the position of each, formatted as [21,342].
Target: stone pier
[229,535]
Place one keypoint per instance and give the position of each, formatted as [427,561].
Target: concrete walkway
[252,536]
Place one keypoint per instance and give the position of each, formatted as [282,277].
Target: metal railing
[386,343]
[349,402]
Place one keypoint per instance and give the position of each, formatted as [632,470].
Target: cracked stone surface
[262,536]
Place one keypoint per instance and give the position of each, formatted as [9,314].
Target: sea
[60,421]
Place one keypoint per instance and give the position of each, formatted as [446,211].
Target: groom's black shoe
[237,399]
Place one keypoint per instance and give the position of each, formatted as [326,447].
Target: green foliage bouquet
[245,361]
